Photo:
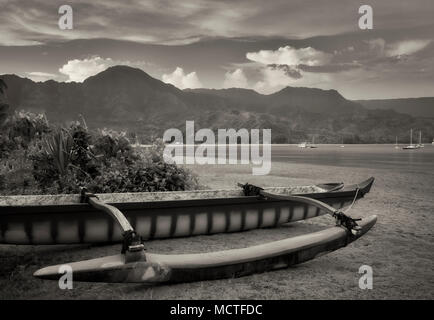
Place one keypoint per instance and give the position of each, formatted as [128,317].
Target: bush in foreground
[103,161]
[44,159]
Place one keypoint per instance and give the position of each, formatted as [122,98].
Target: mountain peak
[120,71]
[308,89]
[127,77]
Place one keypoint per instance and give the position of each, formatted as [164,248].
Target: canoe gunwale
[345,192]
[84,207]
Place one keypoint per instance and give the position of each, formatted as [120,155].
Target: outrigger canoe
[136,265]
[63,219]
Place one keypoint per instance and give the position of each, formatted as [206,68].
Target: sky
[264,46]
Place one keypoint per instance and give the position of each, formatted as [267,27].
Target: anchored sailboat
[313,142]
[396,143]
[420,145]
[411,146]
[307,144]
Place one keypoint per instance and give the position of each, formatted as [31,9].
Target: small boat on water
[308,145]
[411,146]
[66,219]
[396,143]
[313,145]
[420,144]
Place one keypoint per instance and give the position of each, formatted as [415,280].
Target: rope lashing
[84,195]
[341,218]
[250,189]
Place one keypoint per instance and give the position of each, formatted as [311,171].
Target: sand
[400,248]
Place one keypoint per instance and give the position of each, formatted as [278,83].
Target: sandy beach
[400,248]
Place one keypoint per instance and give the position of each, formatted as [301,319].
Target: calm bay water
[373,156]
[362,156]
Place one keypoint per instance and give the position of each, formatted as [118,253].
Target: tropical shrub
[19,130]
[110,144]
[103,161]
[16,174]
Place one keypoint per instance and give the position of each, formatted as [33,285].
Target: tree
[3,86]
[4,107]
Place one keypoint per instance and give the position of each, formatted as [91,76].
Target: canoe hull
[80,223]
[210,266]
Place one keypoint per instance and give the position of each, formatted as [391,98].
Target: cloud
[275,79]
[290,56]
[286,66]
[33,21]
[40,76]
[406,47]
[376,46]
[289,71]
[181,80]
[380,48]
[235,79]
[78,70]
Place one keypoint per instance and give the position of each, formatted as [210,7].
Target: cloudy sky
[252,44]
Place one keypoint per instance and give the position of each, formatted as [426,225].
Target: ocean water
[373,156]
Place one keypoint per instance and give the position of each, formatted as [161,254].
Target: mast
[420,137]
[411,137]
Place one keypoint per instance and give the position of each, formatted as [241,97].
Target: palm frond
[60,146]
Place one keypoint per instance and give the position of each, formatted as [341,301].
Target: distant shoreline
[283,144]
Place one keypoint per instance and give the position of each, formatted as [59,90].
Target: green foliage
[58,147]
[149,172]
[16,173]
[82,155]
[3,86]
[4,112]
[20,130]
[39,158]
[63,160]
[111,144]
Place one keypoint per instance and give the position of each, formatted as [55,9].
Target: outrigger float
[254,207]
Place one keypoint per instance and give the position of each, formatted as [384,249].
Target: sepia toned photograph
[216,150]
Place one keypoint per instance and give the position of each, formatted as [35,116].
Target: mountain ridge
[126,98]
[418,107]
